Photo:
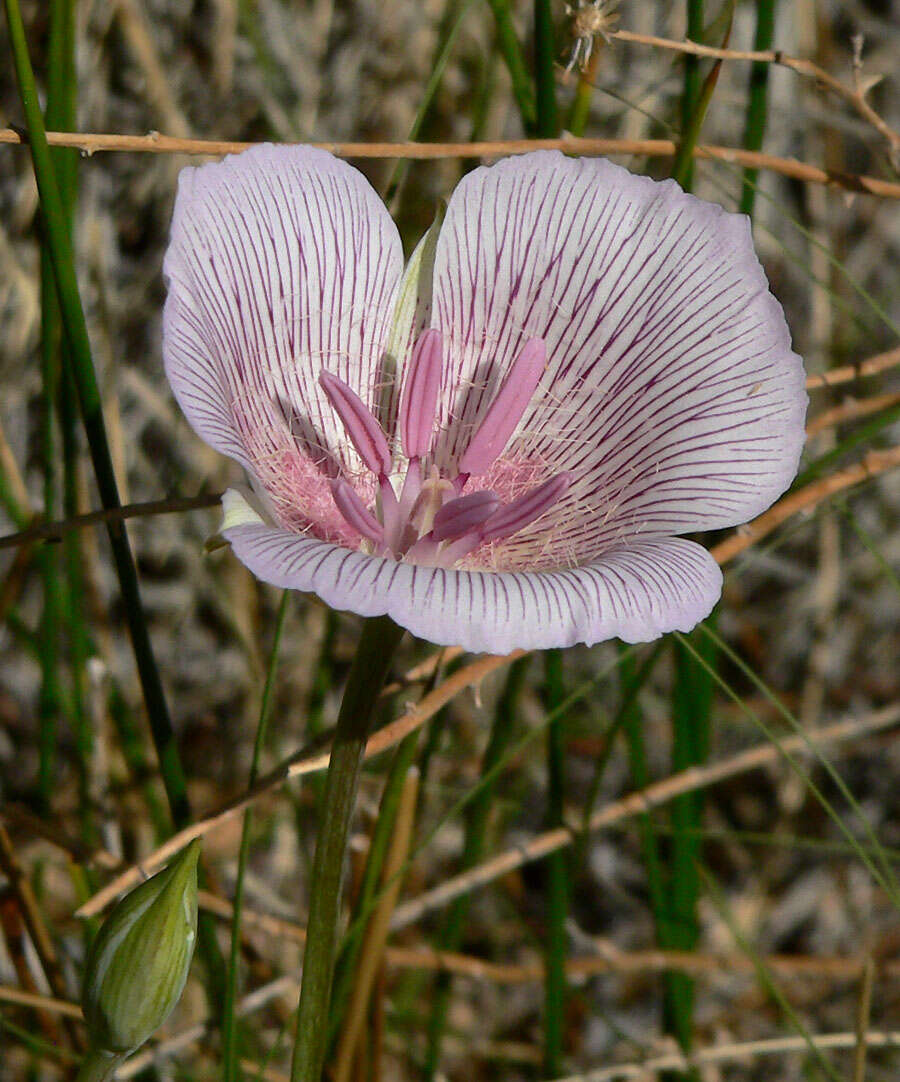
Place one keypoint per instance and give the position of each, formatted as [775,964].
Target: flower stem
[98,1066]
[380,639]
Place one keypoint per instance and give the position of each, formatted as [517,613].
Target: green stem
[230,1044]
[511,51]
[381,838]
[544,73]
[473,851]
[755,124]
[380,638]
[691,93]
[557,876]
[98,1066]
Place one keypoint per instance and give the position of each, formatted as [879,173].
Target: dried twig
[385,738]
[855,96]
[804,499]
[849,373]
[372,950]
[660,792]
[91,143]
[676,1061]
[851,410]
[53,531]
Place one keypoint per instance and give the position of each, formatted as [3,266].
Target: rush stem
[380,638]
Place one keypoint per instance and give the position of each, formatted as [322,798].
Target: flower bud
[138,964]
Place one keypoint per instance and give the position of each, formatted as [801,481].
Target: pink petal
[672,395]
[283,262]
[636,594]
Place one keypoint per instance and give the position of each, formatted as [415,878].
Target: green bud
[138,964]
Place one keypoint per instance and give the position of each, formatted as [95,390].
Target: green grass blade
[75,328]
[757,103]
[479,807]
[879,867]
[764,975]
[547,122]
[683,170]
[454,15]
[230,1029]
[511,51]
[557,874]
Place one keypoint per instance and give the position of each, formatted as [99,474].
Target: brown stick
[385,738]
[90,143]
[372,951]
[854,96]
[874,463]
[644,800]
[20,886]
[851,411]
[874,366]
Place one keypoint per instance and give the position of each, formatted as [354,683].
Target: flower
[497,446]
[139,962]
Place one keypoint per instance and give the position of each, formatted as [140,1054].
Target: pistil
[431,522]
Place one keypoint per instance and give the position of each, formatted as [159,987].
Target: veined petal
[671,393]
[636,593]
[283,262]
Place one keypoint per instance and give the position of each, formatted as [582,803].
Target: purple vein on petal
[505,412]
[362,427]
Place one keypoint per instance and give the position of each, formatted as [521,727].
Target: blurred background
[763,907]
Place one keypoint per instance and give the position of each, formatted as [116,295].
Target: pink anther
[361,426]
[463,515]
[505,411]
[420,393]
[355,513]
[522,511]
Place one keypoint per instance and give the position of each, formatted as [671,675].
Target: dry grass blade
[851,411]
[385,738]
[91,142]
[873,464]
[849,373]
[725,1053]
[373,946]
[853,95]
[644,800]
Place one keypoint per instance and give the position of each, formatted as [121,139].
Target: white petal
[283,261]
[635,594]
[671,393]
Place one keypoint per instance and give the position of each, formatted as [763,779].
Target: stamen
[355,513]
[456,550]
[417,406]
[463,515]
[522,511]
[362,428]
[505,411]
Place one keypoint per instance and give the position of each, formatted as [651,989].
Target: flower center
[435,521]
